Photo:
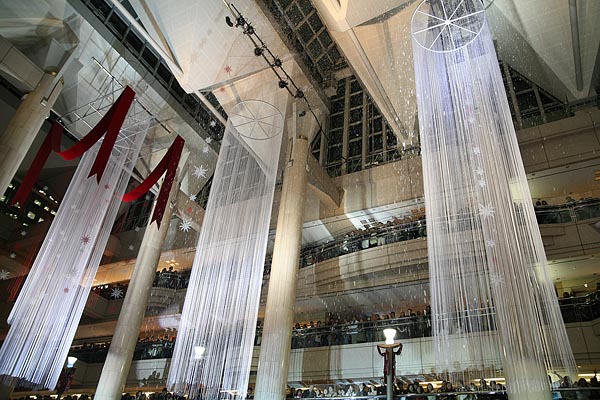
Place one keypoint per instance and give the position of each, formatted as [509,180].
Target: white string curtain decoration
[215,339]
[494,305]
[46,314]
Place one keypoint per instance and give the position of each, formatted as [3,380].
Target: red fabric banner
[169,164]
[110,124]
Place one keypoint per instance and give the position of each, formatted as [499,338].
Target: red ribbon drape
[110,124]
[169,164]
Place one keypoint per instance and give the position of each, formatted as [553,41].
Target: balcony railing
[578,309]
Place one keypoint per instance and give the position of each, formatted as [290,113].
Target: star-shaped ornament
[200,171]
[185,225]
[4,275]
[116,293]
[486,211]
[496,280]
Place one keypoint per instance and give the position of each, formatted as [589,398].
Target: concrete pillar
[24,127]
[120,354]
[275,348]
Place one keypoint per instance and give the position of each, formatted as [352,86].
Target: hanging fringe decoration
[495,312]
[215,337]
[110,124]
[47,312]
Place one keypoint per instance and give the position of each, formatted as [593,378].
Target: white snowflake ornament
[482,183]
[490,243]
[130,247]
[200,171]
[193,197]
[486,211]
[205,150]
[213,123]
[208,140]
[4,275]
[496,280]
[185,225]
[116,293]
[13,256]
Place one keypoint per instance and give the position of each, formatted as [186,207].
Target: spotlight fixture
[262,50]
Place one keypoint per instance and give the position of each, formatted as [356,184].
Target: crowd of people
[412,389]
[376,234]
[418,390]
[339,330]
[484,389]
[166,278]
[147,348]
[568,211]
[334,329]
[171,279]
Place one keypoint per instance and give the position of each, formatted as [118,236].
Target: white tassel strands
[47,312]
[215,338]
[495,311]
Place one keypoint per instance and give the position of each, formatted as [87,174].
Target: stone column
[24,127]
[275,348]
[120,354]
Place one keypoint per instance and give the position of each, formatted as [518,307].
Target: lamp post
[389,350]
[66,376]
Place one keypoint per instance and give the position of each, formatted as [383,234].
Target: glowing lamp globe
[71,361]
[389,334]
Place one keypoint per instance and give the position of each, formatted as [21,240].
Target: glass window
[337,106]
[305,32]
[295,15]
[355,148]
[356,100]
[334,153]
[354,131]
[336,121]
[356,115]
[315,22]
[325,39]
